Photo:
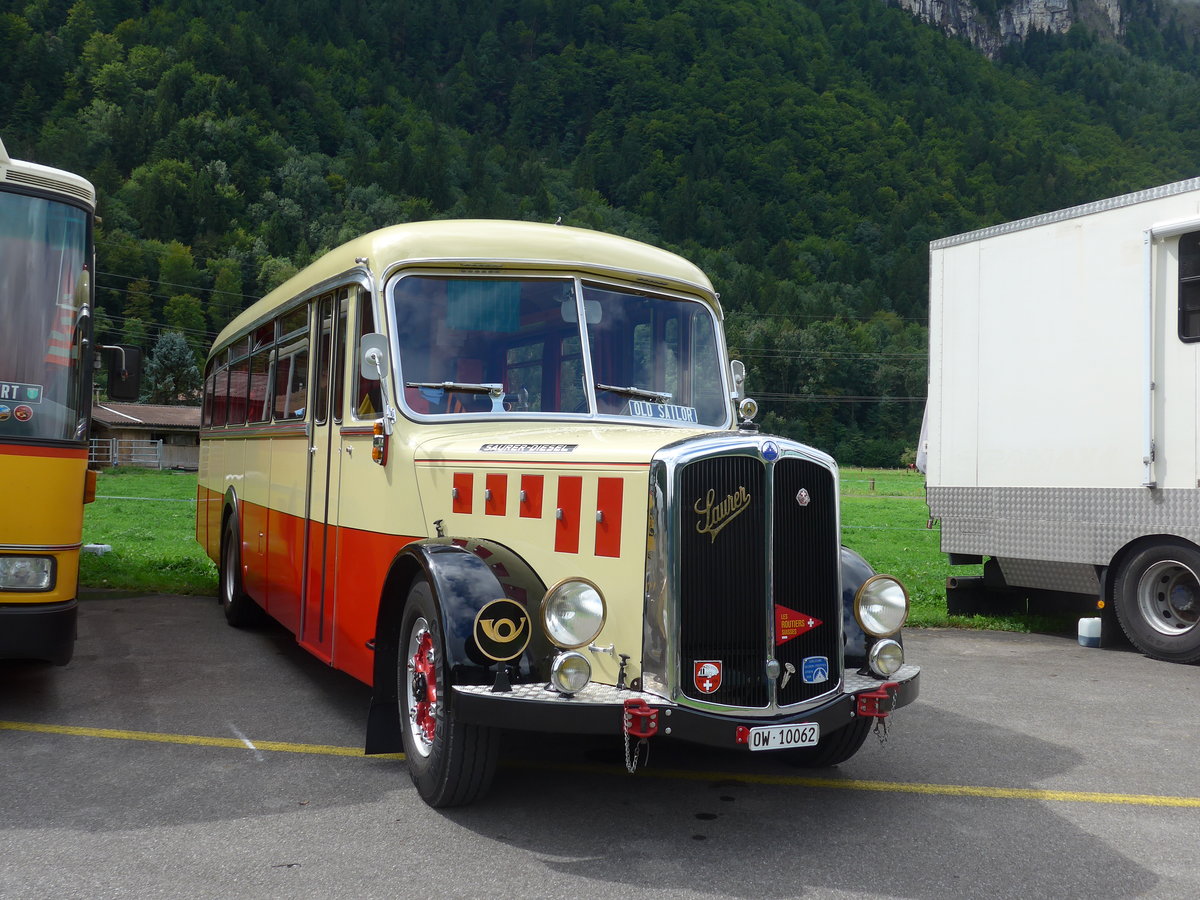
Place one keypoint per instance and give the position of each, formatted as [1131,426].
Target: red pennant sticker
[790,624]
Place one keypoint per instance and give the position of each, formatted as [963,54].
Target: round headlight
[573,613]
[885,658]
[570,672]
[881,605]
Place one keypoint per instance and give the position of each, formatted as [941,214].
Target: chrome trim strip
[39,548]
[604,694]
[291,428]
[358,275]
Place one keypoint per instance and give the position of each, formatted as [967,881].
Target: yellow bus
[505,473]
[46,255]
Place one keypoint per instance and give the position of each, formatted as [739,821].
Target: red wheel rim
[422,686]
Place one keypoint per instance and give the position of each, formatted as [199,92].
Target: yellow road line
[847,784]
[191,740]
[901,787]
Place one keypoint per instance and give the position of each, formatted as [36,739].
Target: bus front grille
[758,580]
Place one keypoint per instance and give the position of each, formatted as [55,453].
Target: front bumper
[599,709]
[38,631]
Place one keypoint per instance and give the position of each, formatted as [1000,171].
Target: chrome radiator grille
[758,579]
[806,569]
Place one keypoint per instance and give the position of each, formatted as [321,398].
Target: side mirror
[737,370]
[374,363]
[124,373]
[374,366]
[593,312]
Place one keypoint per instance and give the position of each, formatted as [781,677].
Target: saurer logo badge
[707,675]
[714,516]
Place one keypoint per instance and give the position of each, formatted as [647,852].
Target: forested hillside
[803,153]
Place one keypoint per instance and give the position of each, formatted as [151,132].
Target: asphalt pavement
[178,757]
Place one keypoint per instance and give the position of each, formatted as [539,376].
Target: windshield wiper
[493,390]
[466,387]
[636,393]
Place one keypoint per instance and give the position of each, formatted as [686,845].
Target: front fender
[855,571]
[464,575]
[230,507]
[462,583]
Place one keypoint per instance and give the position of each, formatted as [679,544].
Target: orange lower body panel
[333,611]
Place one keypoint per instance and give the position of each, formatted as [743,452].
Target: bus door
[324,475]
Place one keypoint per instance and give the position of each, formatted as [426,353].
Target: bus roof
[32,175]
[476,244]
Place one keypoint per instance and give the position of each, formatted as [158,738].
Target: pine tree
[171,376]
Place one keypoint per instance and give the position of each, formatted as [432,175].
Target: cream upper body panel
[494,245]
[571,501]
[604,442]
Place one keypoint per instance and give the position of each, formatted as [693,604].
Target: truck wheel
[240,610]
[836,748]
[451,763]
[1157,595]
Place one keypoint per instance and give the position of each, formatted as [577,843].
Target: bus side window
[220,396]
[368,402]
[339,356]
[324,348]
[291,378]
[260,386]
[239,374]
[210,380]
[291,365]
[262,347]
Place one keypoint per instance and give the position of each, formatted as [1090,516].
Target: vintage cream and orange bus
[504,473]
[46,254]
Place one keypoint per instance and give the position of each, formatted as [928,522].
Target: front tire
[835,748]
[451,763]
[1157,594]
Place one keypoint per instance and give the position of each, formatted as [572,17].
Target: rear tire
[239,608]
[1157,599]
[835,748]
[450,762]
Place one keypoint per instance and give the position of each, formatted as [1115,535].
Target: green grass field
[884,517]
[149,520]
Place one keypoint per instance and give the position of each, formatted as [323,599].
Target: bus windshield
[43,301]
[515,345]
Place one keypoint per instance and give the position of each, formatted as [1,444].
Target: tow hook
[879,703]
[641,719]
[639,723]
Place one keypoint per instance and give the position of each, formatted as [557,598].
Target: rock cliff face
[1013,20]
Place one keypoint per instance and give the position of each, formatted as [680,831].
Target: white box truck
[1062,436]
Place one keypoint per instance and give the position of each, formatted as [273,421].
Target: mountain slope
[803,153]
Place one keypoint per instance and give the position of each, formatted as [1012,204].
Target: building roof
[146,415]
